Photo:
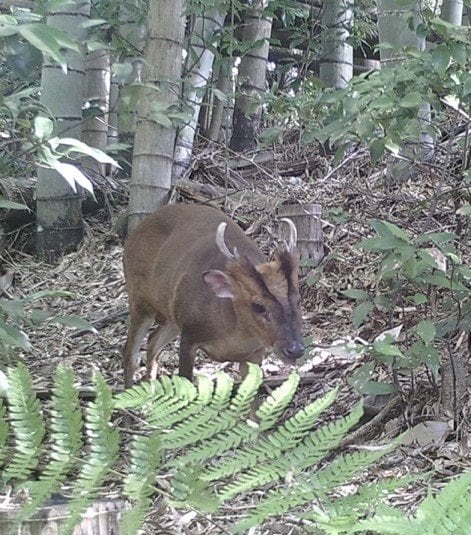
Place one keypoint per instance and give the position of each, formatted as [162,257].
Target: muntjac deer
[180,272]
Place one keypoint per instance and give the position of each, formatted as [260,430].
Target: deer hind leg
[163,335]
[139,326]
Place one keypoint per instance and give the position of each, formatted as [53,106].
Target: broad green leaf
[356,294]
[386,348]
[12,307]
[83,148]
[72,175]
[75,321]
[441,281]
[38,316]
[10,205]
[391,227]
[419,299]
[467,86]
[377,148]
[411,100]
[13,337]
[441,58]
[437,237]
[40,37]
[43,127]
[376,388]
[426,331]
[8,25]
[361,312]
[122,72]
[161,119]
[382,243]
[464,210]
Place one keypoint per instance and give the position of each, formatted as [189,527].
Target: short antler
[293,235]
[220,242]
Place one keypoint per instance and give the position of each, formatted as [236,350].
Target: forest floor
[351,195]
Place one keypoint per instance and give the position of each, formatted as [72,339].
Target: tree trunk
[223,85]
[133,32]
[95,129]
[252,77]
[58,207]
[336,66]
[307,219]
[200,59]
[154,143]
[452,11]
[394,29]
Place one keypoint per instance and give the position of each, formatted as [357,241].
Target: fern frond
[66,441]
[275,404]
[394,525]
[367,498]
[449,510]
[273,445]
[4,429]
[166,395]
[201,413]
[447,513]
[316,445]
[27,424]
[139,484]
[306,488]
[220,432]
[344,467]
[195,407]
[103,442]
[189,489]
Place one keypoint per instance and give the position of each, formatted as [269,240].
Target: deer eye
[259,309]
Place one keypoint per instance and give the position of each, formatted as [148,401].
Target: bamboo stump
[307,220]
[101,518]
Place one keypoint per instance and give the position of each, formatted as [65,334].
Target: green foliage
[27,424]
[426,273]
[446,513]
[244,452]
[20,316]
[102,453]
[24,39]
[380,109]
[64,445]
[139,484]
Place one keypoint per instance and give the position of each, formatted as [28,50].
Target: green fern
[103,441]
[201,438]
[276,403]
[272,446]
[221,429]
[209,401]
[447,513]
[65,443]
[340,513]
[308,453]
[139,484]
[27,424]
[165,396]
[4,430]
[310,487]
[190,489]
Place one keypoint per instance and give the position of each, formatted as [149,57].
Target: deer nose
[294,350]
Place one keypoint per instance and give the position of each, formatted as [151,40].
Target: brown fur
[173,269]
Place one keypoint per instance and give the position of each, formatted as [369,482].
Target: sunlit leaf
[72,175]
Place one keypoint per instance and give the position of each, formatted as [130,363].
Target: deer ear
[219,283]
